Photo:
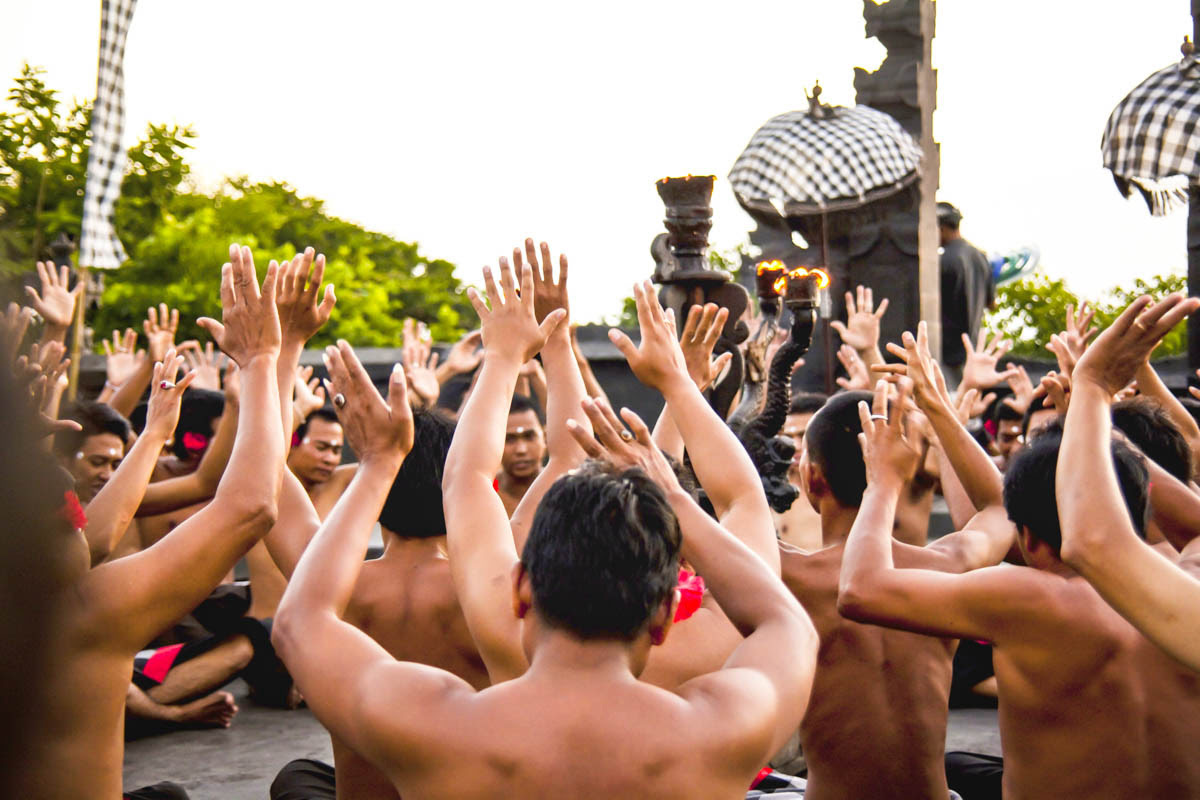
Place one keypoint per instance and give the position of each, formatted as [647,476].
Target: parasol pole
[76,348]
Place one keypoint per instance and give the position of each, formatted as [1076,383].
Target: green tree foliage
[1030,311]
[177,236]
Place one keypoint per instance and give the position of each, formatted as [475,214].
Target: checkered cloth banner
[800,164]
[98,243]
[1152,140]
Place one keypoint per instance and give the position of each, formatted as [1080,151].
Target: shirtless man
[94,453]
[1088,706]
[592,609]
[524,449]
[868,676]
[316,460]
[406,599]
[1155,589]
[112,610]
[482,556]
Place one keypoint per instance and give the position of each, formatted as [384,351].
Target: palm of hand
[862,330]
[424,382]
[980,370]
[120,366]
[57,306]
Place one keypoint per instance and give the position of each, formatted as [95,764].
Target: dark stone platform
[239,763]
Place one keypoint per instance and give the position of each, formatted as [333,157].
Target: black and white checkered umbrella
[1152,140]
[824,159]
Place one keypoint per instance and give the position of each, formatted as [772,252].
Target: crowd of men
[570,602]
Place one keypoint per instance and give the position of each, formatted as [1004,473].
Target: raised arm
[564,385]
[1151,385]
[201,484]
[721,464]
[333,663]
[1099,540]
[861,329]
[479,539]
[141,594]
[113,508]
[764,687]
[300,317]
[871,588]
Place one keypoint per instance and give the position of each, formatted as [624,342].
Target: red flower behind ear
[295,439]
[72,511]
[990,427]
[194,442]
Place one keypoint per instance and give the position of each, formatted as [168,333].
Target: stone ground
[239,763]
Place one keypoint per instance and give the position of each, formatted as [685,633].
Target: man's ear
[663,618]
[812,477]
[522,591]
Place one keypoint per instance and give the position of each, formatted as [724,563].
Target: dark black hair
[196,414]
[832,444]
[603,552]
[1003,411]
[1029,485]
[327,413]
[521,403]
[948,216]
[1149,428]
[807,402]
[414,505]
[95,419]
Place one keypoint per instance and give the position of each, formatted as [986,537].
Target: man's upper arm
[980,604]
[984,542]
[140,595]
[481,562]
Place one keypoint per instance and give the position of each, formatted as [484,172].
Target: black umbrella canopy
[824,159]
[1152,140]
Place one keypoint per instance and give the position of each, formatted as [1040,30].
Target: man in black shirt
[967,288]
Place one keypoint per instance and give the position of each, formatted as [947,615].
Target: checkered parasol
[824,159]
[99,246]
[1152,140]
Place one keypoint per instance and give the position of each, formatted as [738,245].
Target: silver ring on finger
[166,385]
[339,400]
[882,417]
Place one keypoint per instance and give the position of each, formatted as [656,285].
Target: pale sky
[466,126]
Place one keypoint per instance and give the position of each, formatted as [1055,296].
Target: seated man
[1088,706]
[110,611]
[868,676]
[524,449]
[316,459]
[593,610]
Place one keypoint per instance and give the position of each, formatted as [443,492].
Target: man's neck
[396,545]
[836,521]
[559,654]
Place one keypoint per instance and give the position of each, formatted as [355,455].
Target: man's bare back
[868,678]
[405,600]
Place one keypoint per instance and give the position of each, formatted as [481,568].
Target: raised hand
[548,296]
[620,447]
[658,359]
[160,327]
[1079,329]
[13,325]
[166,396]
[979,370]
[1062,353]
[926,382]
[463,356]
[1022,389]
[204,364]
[121,357]
[249,325]
[510,328]
[1114,358]
[1057,391]
[310,394]
[861,329]
[375,428]
[420,369]
[700,334]
[889,455]
[56,303]
[299,283]
[858,377]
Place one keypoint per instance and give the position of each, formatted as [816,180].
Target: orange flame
[770,266]
[780,285]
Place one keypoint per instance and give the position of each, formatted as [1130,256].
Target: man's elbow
[285,631]
[856,601]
